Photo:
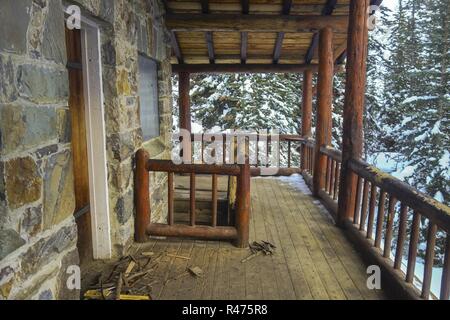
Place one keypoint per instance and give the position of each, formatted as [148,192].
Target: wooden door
[79,144]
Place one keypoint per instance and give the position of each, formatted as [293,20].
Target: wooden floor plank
[212,252]
[329,258]
[178,271]
[310,285]
[343,248]
[188,284]
[286,287]
[265,266]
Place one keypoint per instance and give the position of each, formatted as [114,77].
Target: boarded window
[148,96]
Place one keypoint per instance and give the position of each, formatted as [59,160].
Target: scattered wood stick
[147,254]
[196,271]
[130,268]
[138,275]
[133,297]
[250,257]
[119,287]
[178,257]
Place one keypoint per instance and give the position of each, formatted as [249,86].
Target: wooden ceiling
[253,32]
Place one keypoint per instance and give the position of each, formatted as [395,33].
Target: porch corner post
[243,205]
[324,106]
[353,130]
[306,113]
[184,100]
[142,196]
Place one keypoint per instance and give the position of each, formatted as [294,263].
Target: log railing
[307,161]
[259,146]
[330,192]
[390,215]
[144,227]
[389,219]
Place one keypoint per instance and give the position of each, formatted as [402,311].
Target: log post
[324,103]
[306,113]
[142,196]
[184,100]
[353,132]
[243,205]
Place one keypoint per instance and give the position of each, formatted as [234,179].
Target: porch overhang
[237,36]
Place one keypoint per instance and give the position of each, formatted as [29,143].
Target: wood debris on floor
[259,248]
[133,277]
[124,281]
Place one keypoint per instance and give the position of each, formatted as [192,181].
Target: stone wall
[38,234]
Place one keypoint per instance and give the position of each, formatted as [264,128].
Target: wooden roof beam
[208,35]
[287,4]
[242,68]
[244,45]
[327,11]
[173,37]
[253,23]
[244,35]
[176,47]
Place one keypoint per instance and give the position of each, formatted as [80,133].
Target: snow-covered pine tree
[247,101]
[417,95]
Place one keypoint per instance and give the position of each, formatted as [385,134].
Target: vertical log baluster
[142,196]
[401,236]
[337,178]
[170,198]
[214,200]
[243,205]
[224,154]
[192,199]
[429,260]
[413,242]
[332,177]
[389,227]
[445,281]
[327,174]
[257,150]
[372,204]
[289,153]
[380,219]
[309,159]
[364,206]
[203,149]
[357,212]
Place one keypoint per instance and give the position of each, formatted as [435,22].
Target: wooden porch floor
[313,259]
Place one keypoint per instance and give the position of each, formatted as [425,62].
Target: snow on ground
[298,183]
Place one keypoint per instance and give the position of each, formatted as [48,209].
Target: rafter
[244,35]
[244,44]
[176,47]
[327,11]
[173,37]
[287,4]
[208,34]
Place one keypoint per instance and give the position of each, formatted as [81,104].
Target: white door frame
[96,139]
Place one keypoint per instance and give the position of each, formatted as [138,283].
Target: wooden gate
[239,233]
